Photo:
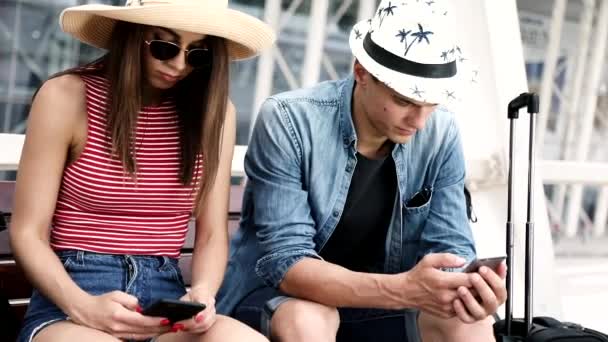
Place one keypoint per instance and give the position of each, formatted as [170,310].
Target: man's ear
[361,75]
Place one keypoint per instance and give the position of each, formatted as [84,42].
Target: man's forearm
[336,286]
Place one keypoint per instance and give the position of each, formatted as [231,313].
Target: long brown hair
[201,100]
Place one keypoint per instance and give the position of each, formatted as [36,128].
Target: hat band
[406,66]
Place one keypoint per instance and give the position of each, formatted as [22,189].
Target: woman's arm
[55,119]
[55,112]
[211,243]
[210,253]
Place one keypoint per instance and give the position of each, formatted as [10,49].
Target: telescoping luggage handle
[530,101]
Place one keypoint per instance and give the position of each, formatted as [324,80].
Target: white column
[265,72]
[493,38]
[584,38]
[587,114]
[311,68]
[553,52]
[8,111]
[366,9]
[600,221]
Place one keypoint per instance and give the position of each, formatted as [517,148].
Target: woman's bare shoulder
[65,87]
[59,104]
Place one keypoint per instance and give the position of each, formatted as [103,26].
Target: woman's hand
[118,314]
[202,321]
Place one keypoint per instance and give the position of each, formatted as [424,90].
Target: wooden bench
[16,289]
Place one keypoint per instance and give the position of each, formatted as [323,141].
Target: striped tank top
[102,209]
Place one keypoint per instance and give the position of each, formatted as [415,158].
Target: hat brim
[443,91]
[247,36]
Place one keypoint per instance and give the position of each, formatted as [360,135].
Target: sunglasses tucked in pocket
[420,198]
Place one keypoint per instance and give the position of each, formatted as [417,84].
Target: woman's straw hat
[246,35]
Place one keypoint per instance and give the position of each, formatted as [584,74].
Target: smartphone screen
[491,263]
[173,310]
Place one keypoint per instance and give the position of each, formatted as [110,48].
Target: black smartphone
[491,263]
[173,310]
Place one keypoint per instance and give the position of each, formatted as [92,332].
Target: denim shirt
[299,165]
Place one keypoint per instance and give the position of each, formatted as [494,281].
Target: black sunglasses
[164,50]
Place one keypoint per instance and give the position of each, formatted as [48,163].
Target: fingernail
[177,327]
[198,318]
[139,309]
[462,291]
[483,270]
[165,322]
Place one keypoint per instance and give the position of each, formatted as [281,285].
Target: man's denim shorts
[148,278]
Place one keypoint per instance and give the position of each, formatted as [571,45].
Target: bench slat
[13,283]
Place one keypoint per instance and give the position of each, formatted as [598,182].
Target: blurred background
[562,45]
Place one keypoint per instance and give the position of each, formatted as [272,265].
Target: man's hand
[483,299]
[432,290]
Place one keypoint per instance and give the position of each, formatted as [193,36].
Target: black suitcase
[529,329]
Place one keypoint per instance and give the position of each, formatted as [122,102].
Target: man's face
[390,114]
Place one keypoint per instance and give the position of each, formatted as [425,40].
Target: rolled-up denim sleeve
[281,213]
[447,228]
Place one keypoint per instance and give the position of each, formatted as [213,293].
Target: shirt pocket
[416,211]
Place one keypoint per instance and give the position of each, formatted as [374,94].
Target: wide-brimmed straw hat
[412,47]
[246,35]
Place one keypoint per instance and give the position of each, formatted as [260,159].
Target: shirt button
[349,168]
[336,213]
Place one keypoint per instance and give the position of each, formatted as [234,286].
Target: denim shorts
[148,278]
[356,325]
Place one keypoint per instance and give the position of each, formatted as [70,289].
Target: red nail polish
[165,322]
[139,309]
[199,318]
[177,327]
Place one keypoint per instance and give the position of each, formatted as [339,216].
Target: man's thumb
[443,260]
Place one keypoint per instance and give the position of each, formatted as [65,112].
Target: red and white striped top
[102,209]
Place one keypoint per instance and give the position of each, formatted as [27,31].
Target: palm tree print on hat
[417,92]
[444,55]
[385,12]
[450,94]
[419,37]
[358,34]
[474,78]
[403,36]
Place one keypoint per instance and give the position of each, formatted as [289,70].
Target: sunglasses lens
[199,58]
[163,50]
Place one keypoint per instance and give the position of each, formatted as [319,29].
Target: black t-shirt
[358,242]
